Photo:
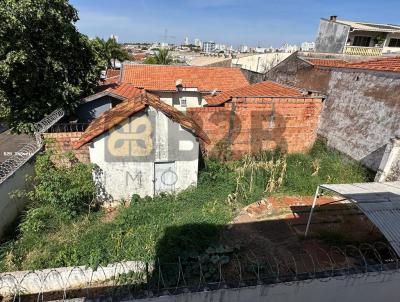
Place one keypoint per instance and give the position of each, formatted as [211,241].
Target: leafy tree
[45,63]
[110,51]
[161,57]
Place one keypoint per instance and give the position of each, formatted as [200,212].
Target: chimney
[333,18]
[179,84]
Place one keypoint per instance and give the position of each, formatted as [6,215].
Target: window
[183,103]
[394,43]
[361,41]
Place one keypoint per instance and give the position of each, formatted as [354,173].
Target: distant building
[289,48]
[115,37]
[209,47]
[357,38]
[197,42]
[244,48]
[307,46]
[187,41]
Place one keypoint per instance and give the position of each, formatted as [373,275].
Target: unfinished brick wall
[62,142]
[251,125]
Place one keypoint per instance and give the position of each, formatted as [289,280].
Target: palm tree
[110,51]
[161,57]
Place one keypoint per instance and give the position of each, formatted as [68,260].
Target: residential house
[357,38]
[361,113]
[178,86]
[143,146]
[94,105]
[182,86]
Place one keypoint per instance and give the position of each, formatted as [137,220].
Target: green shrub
[68,188]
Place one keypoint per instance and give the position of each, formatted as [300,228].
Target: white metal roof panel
[380,202]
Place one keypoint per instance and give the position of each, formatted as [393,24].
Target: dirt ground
[275,227]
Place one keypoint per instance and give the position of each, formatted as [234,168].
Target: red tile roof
[391,64]
[112,73]
[328,62]
[124,90]
[264,89]
[122,111]
[163,77]
[383,64]
[112,77]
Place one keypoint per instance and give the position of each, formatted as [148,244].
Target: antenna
[166,37]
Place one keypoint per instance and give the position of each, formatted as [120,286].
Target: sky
[234,22]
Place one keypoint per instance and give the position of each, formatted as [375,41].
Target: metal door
[165,177]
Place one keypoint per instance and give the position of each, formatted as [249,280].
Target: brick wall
[62,142]
[256,124]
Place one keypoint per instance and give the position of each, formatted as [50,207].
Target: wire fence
[208,272]
[13,163]
[68,127]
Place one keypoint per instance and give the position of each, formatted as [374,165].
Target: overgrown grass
[169,225]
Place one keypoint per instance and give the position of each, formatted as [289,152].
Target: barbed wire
[19,158]
[68,127]
[148,279]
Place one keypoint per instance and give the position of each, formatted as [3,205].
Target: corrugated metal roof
[380,202]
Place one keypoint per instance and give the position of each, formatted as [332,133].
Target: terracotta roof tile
[328,62]
[112,73]
[129,107]
[124,90]
[391,64]
[163,77]
[383,64]
[264,89]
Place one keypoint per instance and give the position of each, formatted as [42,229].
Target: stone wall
[62,142]
[257,124]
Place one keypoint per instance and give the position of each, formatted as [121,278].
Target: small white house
[143,146]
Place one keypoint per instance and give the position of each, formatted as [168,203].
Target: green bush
[68,188]
[53,233]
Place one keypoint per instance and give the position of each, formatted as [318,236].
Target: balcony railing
[363,51]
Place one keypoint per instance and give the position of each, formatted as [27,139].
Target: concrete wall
[88,111]
[10,208]
[331,37]
[361,114]
[256,124]
[260,62]
[252,76]
[127,166]
[355,288]
[298,73]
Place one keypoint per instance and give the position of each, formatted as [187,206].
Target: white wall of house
[123,173]
[386,48]
[193,98]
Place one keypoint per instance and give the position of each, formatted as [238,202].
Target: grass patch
[168,225]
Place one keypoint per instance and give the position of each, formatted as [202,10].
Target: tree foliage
[109,51]
[45,63]
[161,57]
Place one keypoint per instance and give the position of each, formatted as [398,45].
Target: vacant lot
[166,226]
